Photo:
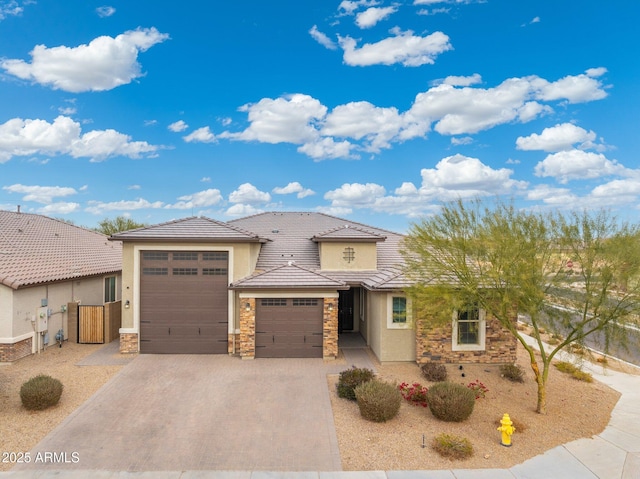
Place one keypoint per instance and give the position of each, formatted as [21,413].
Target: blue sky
[376,111]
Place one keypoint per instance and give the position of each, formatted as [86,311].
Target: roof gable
[288,275]
[35,249]
[348,233]
[189,229]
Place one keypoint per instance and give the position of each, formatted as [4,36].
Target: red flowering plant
[478,388]
[415,393]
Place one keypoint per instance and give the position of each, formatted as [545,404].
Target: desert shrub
[453,447]
[512,372]
[434,372]
[517,424]
[450,401]
[352,378]
[478,388]
[378,401]
[565,367]
[415,393]
[40,392]
[582,376]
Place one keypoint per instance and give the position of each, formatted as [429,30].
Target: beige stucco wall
[388,343]
[331,256]
[242,262]
[19,306]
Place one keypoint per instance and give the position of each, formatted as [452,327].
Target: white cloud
[404,48]
[59,208]
[67,110]
[287,119]
[20,137]
[99,207]
[205,179]
[242,210]
[575,89]
[294,187]
[105,63]
[371,16]
[134,187]
[462,80]
[577,165]
[462,176]
[322,39]
[621,191]
[355,194]
[561,197]
[10,8]
[327,148]
[348,7]
[201,135]
[559,137]
[105,11]
[249,194]
[40,194]
[178,126]
[200,199]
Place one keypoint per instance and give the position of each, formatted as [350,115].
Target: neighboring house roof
[35,249]
[189,229]
[348,233]
[288,276]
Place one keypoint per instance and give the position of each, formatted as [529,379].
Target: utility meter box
[42,320]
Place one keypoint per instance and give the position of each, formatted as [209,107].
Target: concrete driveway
[184,412]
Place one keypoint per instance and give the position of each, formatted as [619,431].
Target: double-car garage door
[184,302]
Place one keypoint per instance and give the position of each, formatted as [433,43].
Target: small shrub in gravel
[378,401]
[415,393]
[40,392]
[434,372]
[453,447]
[583,376]
[565,367]
[451,402]
[352,378]
[512,372]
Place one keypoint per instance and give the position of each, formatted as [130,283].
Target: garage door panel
[287,327]
[184,302]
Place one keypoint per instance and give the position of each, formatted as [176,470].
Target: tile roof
[35,249]
[288,275]
[188,229]
[350,233]
[291,234]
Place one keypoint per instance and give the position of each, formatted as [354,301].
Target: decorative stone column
[330,328]
[128,343]
[247,328]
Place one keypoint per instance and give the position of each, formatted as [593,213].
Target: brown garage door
[183,302]
[289,328]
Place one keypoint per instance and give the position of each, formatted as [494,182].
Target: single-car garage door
[184,302]
[289,327]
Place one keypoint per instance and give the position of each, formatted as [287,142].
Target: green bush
[565,367]
[378,401]
[453,447]
[352,378]
[450,401]
[434,372]
[512,372]
[583,376]
[40,392]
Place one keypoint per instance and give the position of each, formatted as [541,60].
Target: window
[273,302]
[185,271]
[155,271]
[185,256]
[398,312]
[468,329]
[155,255]
[215,256]
[214,271]
[305,302]
[349,254]
[110,289]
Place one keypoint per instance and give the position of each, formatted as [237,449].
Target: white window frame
[390,323]
[482,334]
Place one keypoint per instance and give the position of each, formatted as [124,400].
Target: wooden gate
[91,325]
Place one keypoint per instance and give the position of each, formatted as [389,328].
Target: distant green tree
[572,274]
[115,225]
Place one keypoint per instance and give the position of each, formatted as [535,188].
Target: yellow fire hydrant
[506,429]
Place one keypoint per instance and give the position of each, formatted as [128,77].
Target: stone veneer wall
[248,328]
[128,342]
[15,351]
[330,328]
[434,345]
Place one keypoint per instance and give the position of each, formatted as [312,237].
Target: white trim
[174,247]
[128,331]
[390,323]
[17,339]
[482,333]
[286,294]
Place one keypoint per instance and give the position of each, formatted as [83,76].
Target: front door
[345,311]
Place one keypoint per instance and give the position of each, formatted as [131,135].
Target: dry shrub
[434,372]
[453,447]
[378,401]
[512,372]
[450,401]
[40,392]
[352,378]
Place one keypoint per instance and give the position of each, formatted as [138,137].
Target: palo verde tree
[120,223]
[571,274]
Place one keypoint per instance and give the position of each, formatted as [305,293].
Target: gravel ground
[20,429]
[575,409]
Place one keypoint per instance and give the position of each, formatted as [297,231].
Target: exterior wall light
[247,307]
[127,304]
